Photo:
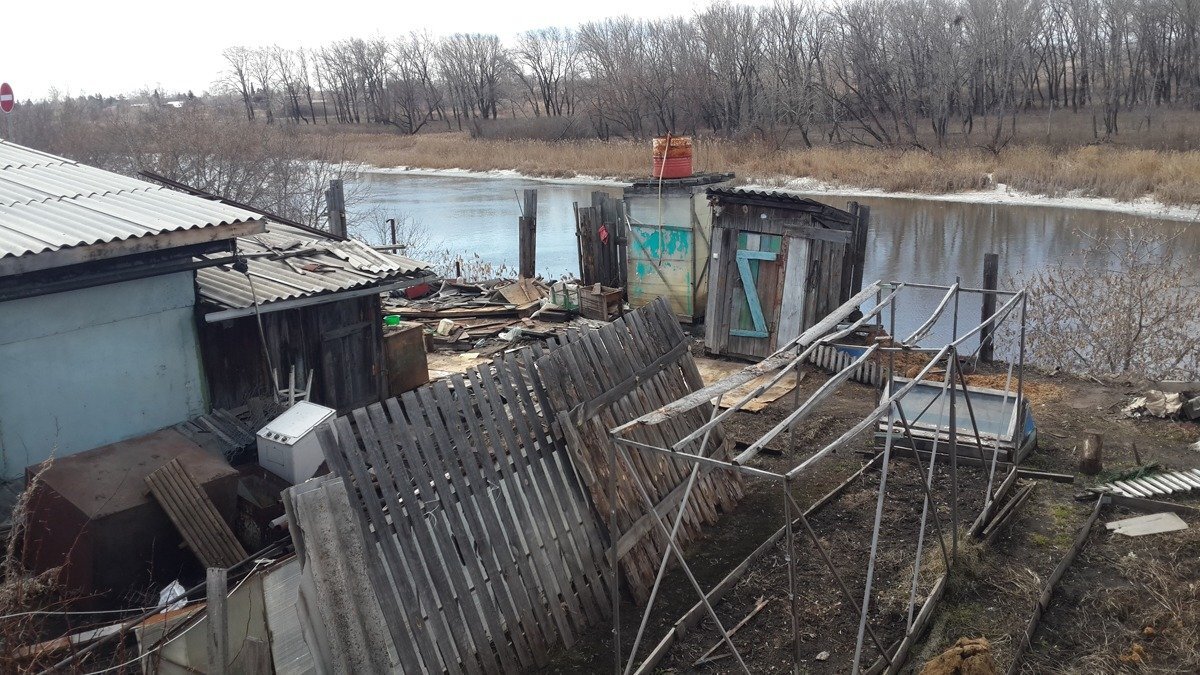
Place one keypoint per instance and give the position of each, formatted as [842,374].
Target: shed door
[348,367]
[755,295]
[349,353]
[795,291]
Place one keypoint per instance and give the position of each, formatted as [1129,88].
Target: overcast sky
[122,46]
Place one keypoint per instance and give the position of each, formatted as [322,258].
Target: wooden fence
[601,233]
[602,378]
[489,554]
[834,360]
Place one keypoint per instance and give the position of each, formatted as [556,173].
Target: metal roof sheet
[786,200]
[49,203]
[301,265]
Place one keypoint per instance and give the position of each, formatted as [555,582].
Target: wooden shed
[780,262]
[670,227]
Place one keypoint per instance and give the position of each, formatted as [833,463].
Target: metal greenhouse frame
[897,425]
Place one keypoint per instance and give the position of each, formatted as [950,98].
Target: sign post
[7,100]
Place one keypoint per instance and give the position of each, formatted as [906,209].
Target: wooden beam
[1150,505]
[218,620]
[1043,601]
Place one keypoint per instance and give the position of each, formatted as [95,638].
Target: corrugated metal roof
[302,265]
[49,203]
[786,200]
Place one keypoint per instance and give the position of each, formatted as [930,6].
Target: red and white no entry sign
[6,98]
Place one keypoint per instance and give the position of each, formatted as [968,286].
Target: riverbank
[1001,194]
[1162,183]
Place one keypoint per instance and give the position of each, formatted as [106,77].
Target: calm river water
[910,240]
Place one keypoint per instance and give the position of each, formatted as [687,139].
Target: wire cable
[197,617]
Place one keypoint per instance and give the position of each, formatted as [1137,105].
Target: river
[910,239]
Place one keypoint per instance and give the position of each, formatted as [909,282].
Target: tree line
[875,72]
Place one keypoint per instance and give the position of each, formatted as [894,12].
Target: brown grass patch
[1124,173]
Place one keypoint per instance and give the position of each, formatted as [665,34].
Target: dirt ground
[994,588]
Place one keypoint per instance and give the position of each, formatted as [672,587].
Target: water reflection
[479,215]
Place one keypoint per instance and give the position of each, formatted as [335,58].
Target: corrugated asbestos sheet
[336,602]
[281,589]
[287,262]
[49,203]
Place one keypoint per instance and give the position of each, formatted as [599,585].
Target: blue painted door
[754,297]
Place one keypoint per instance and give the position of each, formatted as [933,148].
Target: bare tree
[238,77]
[548,65]
[415,97]
[262,69]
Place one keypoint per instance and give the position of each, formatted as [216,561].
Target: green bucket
[391,320]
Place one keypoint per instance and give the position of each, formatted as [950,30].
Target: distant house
[98,336]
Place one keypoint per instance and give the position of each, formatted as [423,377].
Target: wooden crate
[600,302]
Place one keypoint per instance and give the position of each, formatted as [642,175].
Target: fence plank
[595,363]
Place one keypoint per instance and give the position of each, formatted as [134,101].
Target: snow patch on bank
[579,179]
[1001,194]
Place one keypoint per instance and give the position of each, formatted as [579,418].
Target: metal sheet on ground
[712,370]
[1155,523]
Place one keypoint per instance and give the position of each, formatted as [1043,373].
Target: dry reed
[1124,173]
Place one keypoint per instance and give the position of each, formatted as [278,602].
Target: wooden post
[844,293]
[585,227]
[335,202]
[991,278]
[527,235]
[218,620]
[392,225]
[861,227]
[1090,460]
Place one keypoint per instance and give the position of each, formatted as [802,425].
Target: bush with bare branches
[1125,305]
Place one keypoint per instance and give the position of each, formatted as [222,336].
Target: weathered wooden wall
[602,259]
[806,280]
[340,341]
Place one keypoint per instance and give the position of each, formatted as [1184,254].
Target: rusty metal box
[93,515]
[404,352]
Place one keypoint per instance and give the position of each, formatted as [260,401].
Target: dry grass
[1125,173]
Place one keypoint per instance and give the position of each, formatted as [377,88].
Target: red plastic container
[672,157]
[672,167]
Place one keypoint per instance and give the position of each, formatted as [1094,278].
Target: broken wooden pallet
[195,516]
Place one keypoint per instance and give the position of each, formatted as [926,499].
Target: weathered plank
[195,516]
[615,374]
[477,520]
